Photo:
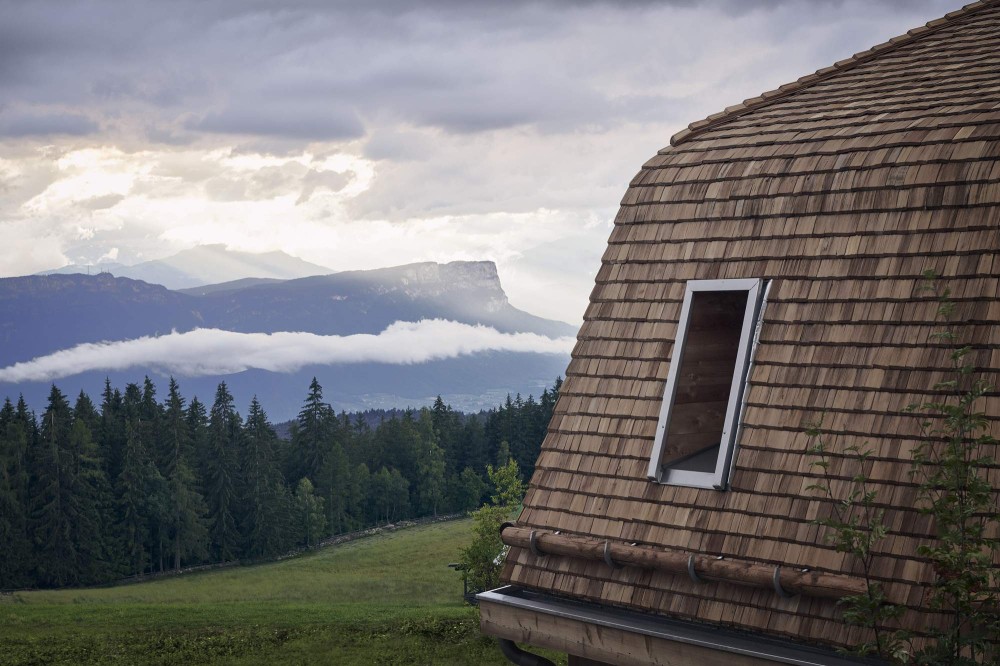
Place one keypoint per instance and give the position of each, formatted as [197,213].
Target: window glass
[702,400]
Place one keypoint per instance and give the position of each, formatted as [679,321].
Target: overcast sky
[361,134]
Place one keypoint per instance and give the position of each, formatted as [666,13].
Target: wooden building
[765,272]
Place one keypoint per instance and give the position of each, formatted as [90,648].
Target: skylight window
[703,399]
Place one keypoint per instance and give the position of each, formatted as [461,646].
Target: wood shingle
[841,189]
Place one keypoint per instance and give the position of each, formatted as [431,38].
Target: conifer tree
[184,521]
[15,556]
[334,486]
[264,503]
[430,467]
[50,518]
[197,425]
[447,428]
[92,503]
[112,430]
[131,493]
[312,435]
[475,446]
[134,488]
[221,476]
[151,432]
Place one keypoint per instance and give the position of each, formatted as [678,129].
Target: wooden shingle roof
[842,189]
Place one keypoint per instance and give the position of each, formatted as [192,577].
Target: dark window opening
[703,397]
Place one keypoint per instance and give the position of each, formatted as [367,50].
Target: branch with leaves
[951,463]
[855,526]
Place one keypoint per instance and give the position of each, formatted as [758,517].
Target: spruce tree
[475,447]
[150,418]
[264,502]
[448,429]
[312,436]
[221,466]
[112,430]
[131,494]
[197,425]
[50,515]
[15,554]
[140,488]
[92,505]
[431,467]
[184,524]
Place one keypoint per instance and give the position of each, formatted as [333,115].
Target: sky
[368,134]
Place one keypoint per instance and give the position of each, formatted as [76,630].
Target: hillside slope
[385,599]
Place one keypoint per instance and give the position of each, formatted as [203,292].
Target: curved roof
[842,189]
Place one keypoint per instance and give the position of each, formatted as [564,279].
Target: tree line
[89,494]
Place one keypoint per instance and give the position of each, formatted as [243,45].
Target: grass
[387,599]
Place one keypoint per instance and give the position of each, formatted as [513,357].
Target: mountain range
[42,314]
[203,265]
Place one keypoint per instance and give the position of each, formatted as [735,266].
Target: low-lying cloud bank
[209,351]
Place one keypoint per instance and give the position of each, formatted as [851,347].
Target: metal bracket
[607,556]
[692,574]
[533,544]
[776,581]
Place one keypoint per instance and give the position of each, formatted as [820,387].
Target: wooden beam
[738,572]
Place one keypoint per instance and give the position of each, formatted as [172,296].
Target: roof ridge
[787,89]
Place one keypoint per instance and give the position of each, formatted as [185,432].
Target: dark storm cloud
[291,121]
[320,71]
[29,123]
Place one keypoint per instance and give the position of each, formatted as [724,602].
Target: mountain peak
[467,281]
[208,264]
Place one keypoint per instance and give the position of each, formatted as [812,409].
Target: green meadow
[385,599]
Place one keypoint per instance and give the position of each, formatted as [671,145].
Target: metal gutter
[658,627]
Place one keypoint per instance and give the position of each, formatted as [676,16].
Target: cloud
[101,202]
[468,123]
[33,122]
[316,71]
[217,352]
[110,255]
[257,115]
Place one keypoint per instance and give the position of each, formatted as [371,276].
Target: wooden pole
[739,572]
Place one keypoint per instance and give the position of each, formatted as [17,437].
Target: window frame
[732,425]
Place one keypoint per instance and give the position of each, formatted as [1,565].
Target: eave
[627,638]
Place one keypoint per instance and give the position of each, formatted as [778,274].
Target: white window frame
[719,479]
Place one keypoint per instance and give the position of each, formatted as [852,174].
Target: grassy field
[386,599]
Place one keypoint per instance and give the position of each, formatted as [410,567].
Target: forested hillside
[91,493]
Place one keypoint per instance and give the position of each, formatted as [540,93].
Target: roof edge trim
[754,103]
[657,627]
